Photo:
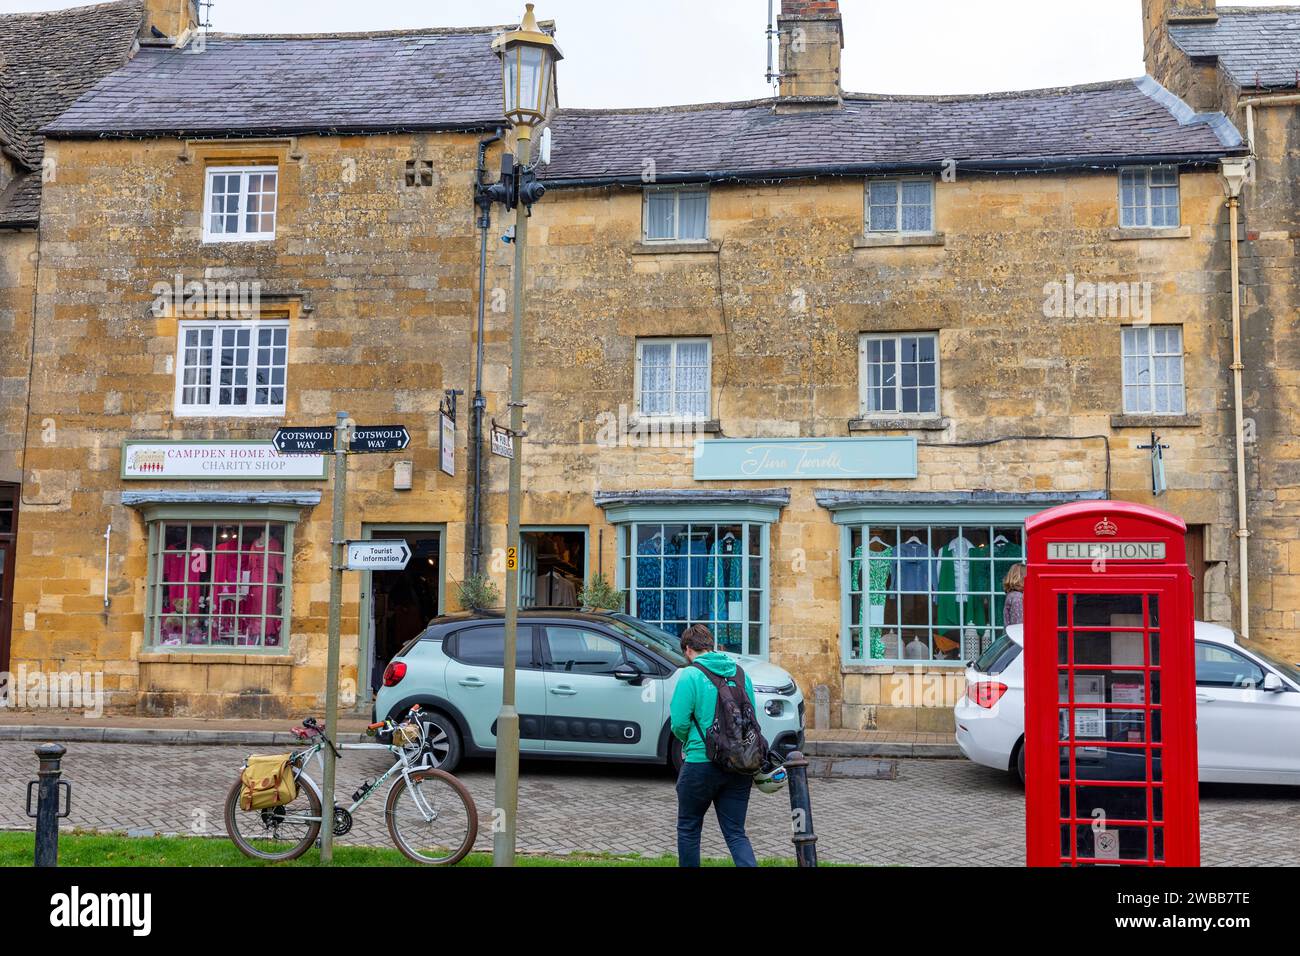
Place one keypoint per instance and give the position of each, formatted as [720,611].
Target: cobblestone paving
[937,812]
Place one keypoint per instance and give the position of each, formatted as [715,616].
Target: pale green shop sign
[804,459]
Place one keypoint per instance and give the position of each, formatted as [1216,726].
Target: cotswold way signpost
[343,439]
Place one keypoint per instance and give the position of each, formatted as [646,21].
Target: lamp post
[528,58]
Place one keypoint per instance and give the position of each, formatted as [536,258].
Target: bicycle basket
[408,735]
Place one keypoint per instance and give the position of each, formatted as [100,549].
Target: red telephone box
[1110,689]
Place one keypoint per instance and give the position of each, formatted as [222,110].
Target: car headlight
[786,691]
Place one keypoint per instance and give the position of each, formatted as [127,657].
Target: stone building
[799,368]
[1245,62]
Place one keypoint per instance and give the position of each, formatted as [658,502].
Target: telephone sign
[1110,689]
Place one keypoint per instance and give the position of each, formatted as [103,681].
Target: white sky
[659,52]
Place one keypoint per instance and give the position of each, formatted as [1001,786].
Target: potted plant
[478,592]
[599,595]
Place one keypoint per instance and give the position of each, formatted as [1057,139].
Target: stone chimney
[812,36]
[1193,82]
[171,18]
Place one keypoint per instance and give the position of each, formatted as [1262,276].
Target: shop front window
[700,573]
[219,584]
[927,592]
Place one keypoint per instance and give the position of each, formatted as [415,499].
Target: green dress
[877,592]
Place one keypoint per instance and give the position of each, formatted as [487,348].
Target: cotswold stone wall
[784,295]
[17,286]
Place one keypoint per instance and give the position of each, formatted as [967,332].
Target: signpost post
[341,440]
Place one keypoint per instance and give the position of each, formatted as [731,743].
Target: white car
[1247,710]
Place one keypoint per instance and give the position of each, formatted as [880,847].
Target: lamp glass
[526,77]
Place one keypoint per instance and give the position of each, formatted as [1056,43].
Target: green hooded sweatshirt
[696,695]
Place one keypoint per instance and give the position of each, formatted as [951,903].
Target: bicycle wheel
[433,821]
[276,833]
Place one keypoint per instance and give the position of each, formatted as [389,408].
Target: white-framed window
[1148,197]
[904,206]
[239,203]
[228,368]
[676,215]
[673,378]
[1153,370]
[899,374]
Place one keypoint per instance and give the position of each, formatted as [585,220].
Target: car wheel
[675,755]
[1020,763]
[441,740]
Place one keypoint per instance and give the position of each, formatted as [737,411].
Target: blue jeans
[699,786]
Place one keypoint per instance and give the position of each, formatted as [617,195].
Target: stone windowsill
[713,427]
[1120,234]
[1155,421]
[252,657]
[928,667]
[928,424]
[892,240]
[707,247]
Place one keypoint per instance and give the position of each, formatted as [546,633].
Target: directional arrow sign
[304,441]
[379,438]
[378,555]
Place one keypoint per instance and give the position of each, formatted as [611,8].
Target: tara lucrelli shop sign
[216,461]
[804,459]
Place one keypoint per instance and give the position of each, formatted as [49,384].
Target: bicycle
[436,823]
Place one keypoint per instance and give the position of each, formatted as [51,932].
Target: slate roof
[1098,125]
[47,60]
[1258,46]
[261,85]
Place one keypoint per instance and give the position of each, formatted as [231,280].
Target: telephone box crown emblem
[1106,528]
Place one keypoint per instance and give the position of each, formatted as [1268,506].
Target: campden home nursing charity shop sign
[805,459]
[216,461]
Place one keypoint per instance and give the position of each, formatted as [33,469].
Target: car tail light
[394,673]
[986,693]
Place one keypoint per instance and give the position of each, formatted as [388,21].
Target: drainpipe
[1235,173]
[480,403]
[1290,99]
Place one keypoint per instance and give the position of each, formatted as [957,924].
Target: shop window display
[683,574]
[928,592]
[220,584]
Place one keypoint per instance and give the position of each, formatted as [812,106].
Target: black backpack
[733,741]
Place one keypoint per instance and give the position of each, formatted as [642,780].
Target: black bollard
[801,818]
[47,813]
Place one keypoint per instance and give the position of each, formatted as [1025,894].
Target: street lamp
[528,58]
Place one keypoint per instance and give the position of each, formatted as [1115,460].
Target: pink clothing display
[265,567]
[226,581]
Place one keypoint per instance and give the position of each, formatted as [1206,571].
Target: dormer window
[239,203]
[677,215]
[903,206]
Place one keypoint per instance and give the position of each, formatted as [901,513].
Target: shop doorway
[552,566]
[397,605]
[8,537]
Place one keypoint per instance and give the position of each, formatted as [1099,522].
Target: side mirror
[628,673]
[1273,684]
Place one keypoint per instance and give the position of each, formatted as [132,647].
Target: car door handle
[472,682]
[1204,699]
[564,691]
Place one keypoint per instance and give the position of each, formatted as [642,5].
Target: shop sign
[216,461]
[804,459]
[447,444]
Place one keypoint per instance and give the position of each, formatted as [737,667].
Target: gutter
[868,169]
[1251,102]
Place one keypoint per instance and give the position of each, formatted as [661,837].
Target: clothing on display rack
[1006,555]
[875,591]
[553,589]
[916,570]
[958,605]
[726,580]
[264,566]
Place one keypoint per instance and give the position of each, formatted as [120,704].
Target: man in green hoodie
[702,783]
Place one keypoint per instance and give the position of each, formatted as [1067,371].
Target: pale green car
[589,686]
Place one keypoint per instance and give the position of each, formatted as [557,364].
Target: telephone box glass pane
[1101,762]
[1108,610]
[1106,843]
[1117,803]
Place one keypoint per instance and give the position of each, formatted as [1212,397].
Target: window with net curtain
[679,215]
[674,378]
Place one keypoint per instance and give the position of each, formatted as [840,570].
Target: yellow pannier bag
[267,782]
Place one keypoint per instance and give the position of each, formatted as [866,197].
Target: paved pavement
[933,812]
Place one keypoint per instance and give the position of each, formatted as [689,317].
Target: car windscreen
[649,636]
[1289,670]
[999,656]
